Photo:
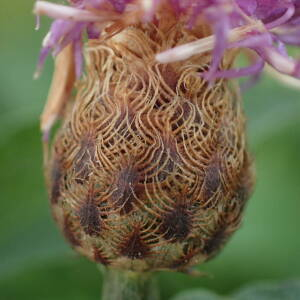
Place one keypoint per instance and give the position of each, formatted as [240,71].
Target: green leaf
[198,295]
[287,290]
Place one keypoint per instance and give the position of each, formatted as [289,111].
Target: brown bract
[149,169]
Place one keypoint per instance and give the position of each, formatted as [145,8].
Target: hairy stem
[128,285]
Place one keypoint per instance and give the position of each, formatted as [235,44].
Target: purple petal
[119,5]
[241,72]
[254,39]
[283,19]
[248,7]
[92,31]
[221,28]
[272,24]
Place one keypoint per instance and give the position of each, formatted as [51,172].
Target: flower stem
[128,285]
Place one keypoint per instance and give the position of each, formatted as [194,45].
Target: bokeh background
[35,262]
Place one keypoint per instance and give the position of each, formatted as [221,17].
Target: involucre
[150,169]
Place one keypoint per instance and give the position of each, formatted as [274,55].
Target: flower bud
[149,169]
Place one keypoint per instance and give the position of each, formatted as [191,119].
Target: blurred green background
[35,262]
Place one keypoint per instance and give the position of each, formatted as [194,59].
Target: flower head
[150,169]
[265,27]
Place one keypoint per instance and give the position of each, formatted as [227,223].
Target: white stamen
[279,62]
[37,23]
[46,39]
[147,5]
[57,11]
[200,46]
[285,79]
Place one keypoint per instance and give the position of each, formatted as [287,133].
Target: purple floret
[273,25]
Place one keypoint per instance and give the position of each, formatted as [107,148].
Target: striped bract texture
[149,169]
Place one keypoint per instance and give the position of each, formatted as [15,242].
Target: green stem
[128,285]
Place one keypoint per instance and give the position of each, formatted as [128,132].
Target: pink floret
[278,20]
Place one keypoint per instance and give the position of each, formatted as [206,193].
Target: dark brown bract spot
[90,218]
[134,246]
[245,182]
[169,75]
[56,176]
[212,180]
[83,159]
[176,224]
[123,196]
[186,110]
[170,147]
[215,242]
[165,158]
[163,166]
